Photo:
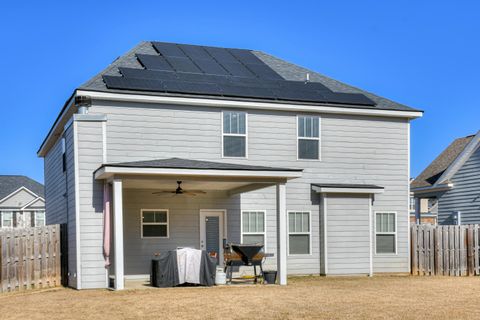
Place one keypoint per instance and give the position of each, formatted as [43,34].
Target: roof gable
[447,163]
[12,183]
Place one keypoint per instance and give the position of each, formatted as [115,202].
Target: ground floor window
[253,227]
[7,219]
[386,232]
[39,218]
[299,232]
[155,223]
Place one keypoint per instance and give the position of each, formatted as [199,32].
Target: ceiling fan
[179,190]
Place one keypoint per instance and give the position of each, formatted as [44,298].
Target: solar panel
[183,64]
[348,98]
[195,52]
[188,69]
[264,72]
[210,67]
[221,55]
[237,69]
[154,62]
[148,74]
[168,49]
[245,56]
[114,82]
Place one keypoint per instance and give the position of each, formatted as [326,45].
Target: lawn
[380,297]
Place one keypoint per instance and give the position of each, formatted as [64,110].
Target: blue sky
[421,53]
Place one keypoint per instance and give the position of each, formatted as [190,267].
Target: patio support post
[118,233]
[282,233]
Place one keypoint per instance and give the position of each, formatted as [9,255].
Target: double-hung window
[253,227]
[299,232]
[308,137]
[234,134]
[386,232]
[7,219]
[155,223]
[39,218]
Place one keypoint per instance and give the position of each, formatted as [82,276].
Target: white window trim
[309,233]
[236,135]
[35,217]
[388,233]
[1,220]
[310,138]
[264,233]
[155,223]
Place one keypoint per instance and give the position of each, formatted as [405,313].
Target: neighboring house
[315,169]
[22,202]
[449,188]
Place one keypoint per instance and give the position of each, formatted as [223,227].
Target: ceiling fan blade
[194,191]
[160,192]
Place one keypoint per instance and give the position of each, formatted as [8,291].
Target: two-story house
[22,202]
[192,146]
[449,188]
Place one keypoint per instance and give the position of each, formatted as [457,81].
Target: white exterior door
[212,231]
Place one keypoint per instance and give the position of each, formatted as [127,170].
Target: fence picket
[445,250]
[30,258]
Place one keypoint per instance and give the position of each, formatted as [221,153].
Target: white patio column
[418,203]
[282,233]
[118,233]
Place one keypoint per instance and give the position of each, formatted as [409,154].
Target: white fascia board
[222,103]
[108,171]
[460,160]
[431,189]
[43,148]
[347,190]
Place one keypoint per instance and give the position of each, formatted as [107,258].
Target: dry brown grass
[381,297]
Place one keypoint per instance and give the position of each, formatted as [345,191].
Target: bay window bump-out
[254,227]
[308,137]
[385,233]
[234,134]
[154,223]
[299,232]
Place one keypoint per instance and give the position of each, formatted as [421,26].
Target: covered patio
[179,202]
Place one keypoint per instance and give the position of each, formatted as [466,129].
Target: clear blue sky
[421,53]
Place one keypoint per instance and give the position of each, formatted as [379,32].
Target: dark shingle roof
[286,70]
[177,163]
[10,183]
[434,171]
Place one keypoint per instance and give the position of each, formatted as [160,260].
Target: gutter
[431,189]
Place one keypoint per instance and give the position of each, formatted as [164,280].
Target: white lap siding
[354,149]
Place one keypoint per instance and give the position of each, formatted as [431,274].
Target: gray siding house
[449,187]
[22,202]
[180,145]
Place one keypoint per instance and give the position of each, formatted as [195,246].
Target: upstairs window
[308,137]
[253,227]
[234,134]
[64,155]
[386,232]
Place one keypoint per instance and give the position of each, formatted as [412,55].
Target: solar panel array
[189,69]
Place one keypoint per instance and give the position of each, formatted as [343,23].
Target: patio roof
[185,167]
[346,188]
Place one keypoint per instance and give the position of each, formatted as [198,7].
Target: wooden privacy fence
[445,250]
[30,258]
